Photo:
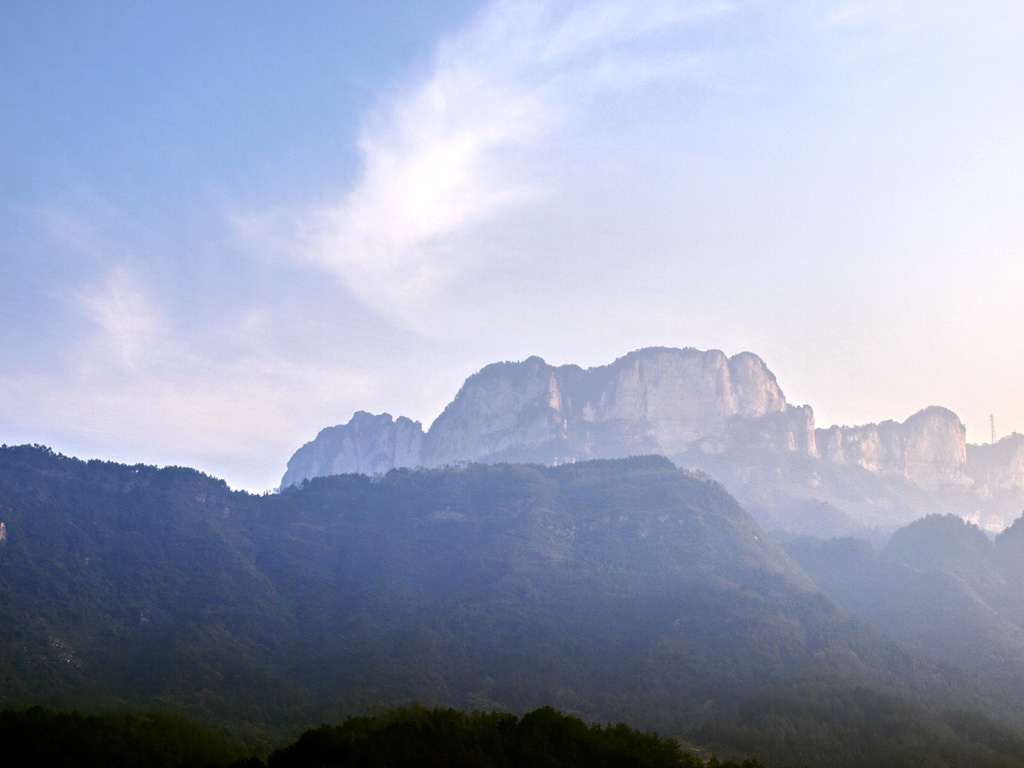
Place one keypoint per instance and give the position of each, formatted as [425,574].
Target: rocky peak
[997,467]
[367,444]
[936,448]
[683,391]
[655,400]
[756,390]
[502,409]
[702,409]
[929,448]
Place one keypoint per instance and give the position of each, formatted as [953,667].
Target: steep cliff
[997,470]
[723,415]
[367,445]
[657,400]
[666,400]
[929,448]
[650,401]
[506,411]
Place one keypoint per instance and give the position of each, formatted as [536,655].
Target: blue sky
[224,226]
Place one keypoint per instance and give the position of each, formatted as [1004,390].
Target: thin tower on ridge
[992,421]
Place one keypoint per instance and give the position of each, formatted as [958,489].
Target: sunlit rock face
[664,401]
[656,400]
[723,415]
[650,401]
[504,410]
[368,444]
[995,468]
[929,448]
[936,448]
[672,398]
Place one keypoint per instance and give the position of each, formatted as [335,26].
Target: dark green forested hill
[616,591]
[38,737]
[452,739]
[132,584]
[397,738]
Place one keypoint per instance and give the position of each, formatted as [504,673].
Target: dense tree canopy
[616,591]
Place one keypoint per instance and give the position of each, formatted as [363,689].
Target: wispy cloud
[451,153]
[128,328]
[566,179]
[155,359]
[665,161]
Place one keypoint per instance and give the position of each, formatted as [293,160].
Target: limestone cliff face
[998,468]
[368,444]
[504,410]
[778,432]
[726,415]
[936,448]
[656,400]
[929,448]
[674,397]
[650,401]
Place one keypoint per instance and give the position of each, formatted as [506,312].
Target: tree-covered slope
[452,739]
[133,584]
[940,585]
[38,737]
[616,590]
[623,589]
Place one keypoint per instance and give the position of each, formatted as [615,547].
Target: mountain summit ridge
[702,409]
[653,400]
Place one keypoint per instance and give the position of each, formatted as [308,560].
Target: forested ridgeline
[41,738]
[822,729]
[618,591]
[402,738]
[827,725]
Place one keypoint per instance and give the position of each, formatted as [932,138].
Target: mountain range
[726,416]
[528,551]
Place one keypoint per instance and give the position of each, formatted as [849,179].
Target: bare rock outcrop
[506,410]
[650,401]
[929,448]
[936,448]
[723,415]
[367,444]
[996,468]
[655,400]
[672,398]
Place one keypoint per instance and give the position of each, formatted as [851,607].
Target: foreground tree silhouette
[446,738]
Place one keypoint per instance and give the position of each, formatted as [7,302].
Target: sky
[227,225]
